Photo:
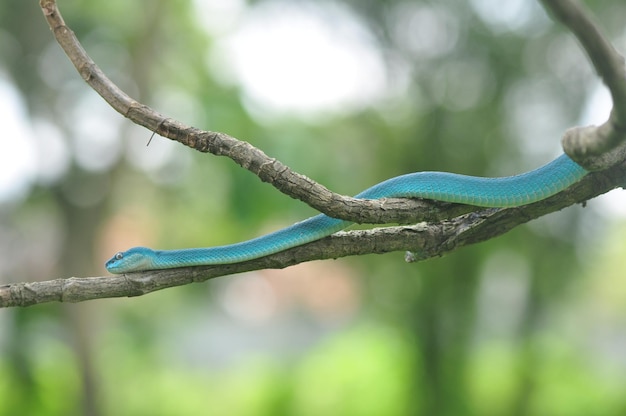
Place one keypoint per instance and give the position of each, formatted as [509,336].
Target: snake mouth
[133,260]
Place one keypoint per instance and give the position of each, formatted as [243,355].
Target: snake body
[510,191]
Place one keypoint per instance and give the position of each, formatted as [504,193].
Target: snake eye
[119,256]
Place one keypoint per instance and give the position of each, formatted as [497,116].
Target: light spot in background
[427,31]
[503,292]
[512,15]
[18,164]
[301,59]
[218,16]
[249,298]
[463,84]
[566,60]
[534,114]
[597,111]
[598,107]
[53,157]
[502,13]
[328,292]
[53,67]
[96,143]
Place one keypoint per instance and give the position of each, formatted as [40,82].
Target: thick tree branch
[425,240]
[452,227]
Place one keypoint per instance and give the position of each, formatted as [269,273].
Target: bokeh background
[349,93]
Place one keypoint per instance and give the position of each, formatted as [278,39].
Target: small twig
[150,139]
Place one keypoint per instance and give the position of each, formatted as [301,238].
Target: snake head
[132,260]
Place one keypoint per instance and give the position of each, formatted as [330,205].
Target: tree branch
[596,148]
[425,240]
[453,226]
[268,169]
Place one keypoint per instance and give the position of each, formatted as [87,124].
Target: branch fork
[441,228]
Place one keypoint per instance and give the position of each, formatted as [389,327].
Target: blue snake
[510,191]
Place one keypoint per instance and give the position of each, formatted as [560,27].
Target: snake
[499,192]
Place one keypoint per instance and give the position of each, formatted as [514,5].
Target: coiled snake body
[510,191]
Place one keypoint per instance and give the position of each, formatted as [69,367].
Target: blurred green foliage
[531,323]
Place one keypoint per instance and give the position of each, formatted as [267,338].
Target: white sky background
[310,62]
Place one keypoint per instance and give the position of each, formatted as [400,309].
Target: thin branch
[268,169]
[608,63]
[592,147]
[596,148]
[425,240]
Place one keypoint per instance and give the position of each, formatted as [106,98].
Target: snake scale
[510,191]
